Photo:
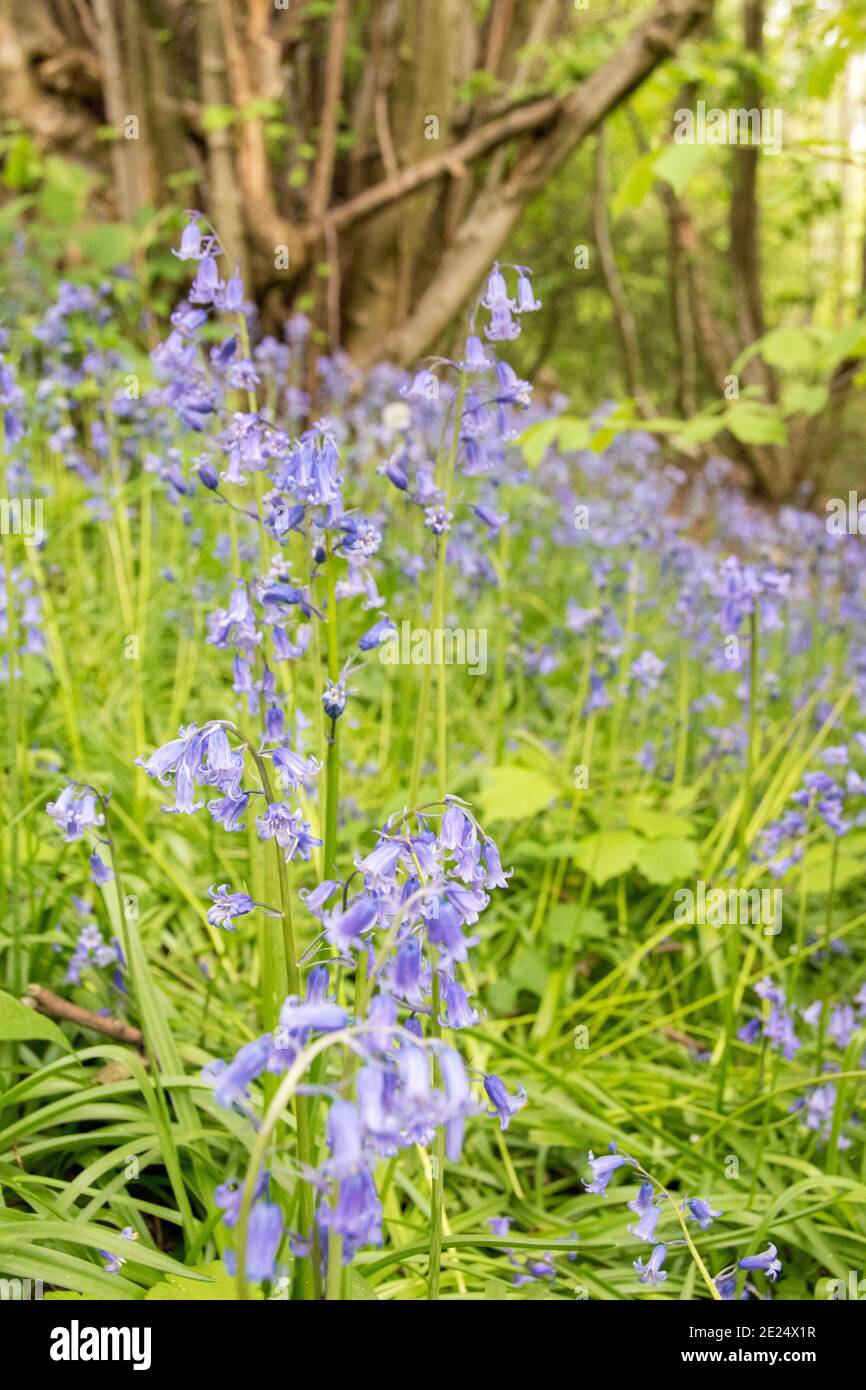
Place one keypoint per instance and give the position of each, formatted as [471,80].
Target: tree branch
[496,211]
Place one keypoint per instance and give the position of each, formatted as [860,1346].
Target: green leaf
[659,824]
[358,1288]
[668,861]
[109,245]
[529,970]
[218,1287]
[20,1023]
[636,185]
[567,925]
[754,423]
[800,399]
[817,865]
[677,163]
[607,853]
[216,118]
[502,996]
[570,432]
[513,793]
[790,348]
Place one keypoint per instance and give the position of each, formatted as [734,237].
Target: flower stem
[332,776]
[292,980]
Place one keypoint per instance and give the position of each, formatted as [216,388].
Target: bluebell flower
[356,1215]
[227,811]
[288,828]
[75,811]
[475,358]
[334,698]
[526,301]
[228,1197]
[316,898]
[377,634]
[394,473]
[604,1168]
[100,872]
[652,1272]
[228,905]
[494,521]
[323,1015]
[701,1211]
[264,1234]
[406,974]
[496,877]
[233,1080]
[459,1102]
[190,241]
[496,291]
[346,929]
[504,1105]
[437,519]
[293,769]
[767,1263]
[648,669]
[114,1263]
[842,1025]
[379,867]
[458,1011]
[647,1212]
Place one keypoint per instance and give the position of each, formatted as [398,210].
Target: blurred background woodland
[366,163]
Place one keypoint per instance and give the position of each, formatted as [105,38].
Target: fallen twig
[51,1004]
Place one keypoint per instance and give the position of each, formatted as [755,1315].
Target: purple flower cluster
[648,1209]
[405,932]
[204,757]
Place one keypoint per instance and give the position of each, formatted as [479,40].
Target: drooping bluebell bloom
[75,811]
[604,1168]
[113,1264]
[379,867]
[444,930]
[648,669]
[316,898]
[458,1011]
[377,634]
[227,811]
[345,930]
[232,1082]
[652,1272]
[100,872]
[394,473]
[647,1211]
[496,876]
[288,828]
[357,1214]
[701,1211]
[504,1105]
[228,1197]
[293,769]
[299,1016]
[475,358]
[264,1234]
[767,1263]
[228,905]
[526,301]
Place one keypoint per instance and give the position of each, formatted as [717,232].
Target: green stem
[293,986]
[734,942]
[332,775]
[825,964]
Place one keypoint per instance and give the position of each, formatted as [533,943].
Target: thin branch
[44,1002]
